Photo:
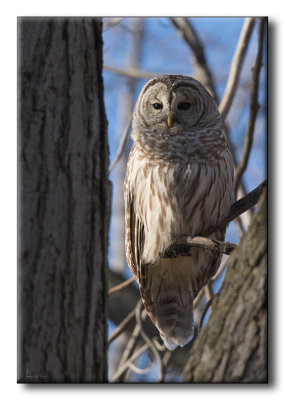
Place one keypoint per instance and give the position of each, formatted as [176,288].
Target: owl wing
[134,236]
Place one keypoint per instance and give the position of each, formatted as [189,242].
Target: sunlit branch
[187,31]
[111,22]
[123,325]
[130,72]
[132,341]
[122,369]
[236,67]
[150,344]
[254,106]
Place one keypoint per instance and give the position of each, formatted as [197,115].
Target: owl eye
[183,106]
[157,106]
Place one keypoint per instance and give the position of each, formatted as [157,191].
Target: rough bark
[64,202]
[232,347]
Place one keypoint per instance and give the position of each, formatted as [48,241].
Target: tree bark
[232,347]
[64,202]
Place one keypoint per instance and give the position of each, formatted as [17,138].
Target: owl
[179,181]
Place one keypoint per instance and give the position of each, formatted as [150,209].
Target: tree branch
[121,286]
[183,245]
[130,73]
[236,66]
[123,325]
[254,106]
[122,143]
[187,31]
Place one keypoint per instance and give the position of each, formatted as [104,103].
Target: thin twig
[132,341]
[187,31]
[111,22]
[165,362]
[160,347]
[126,364]
[254,106]
[209,291]
[221,268]
[149,342]
[205,312]
[130,73]
[138,370]
[123,325]
[121,286]
[122,144]
[198,298]
[236,66]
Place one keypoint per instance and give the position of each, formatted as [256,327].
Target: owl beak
[169,121]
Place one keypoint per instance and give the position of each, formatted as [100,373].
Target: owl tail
[168,299]
[174,320]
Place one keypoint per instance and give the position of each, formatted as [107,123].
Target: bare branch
[138,370]
[122,144]
[111,22]
[121,286]
[254,106]
[123,325]
[220,270]
[205,312]
[132,341]
[183,245]
[187,31]
[247,201]
[127,363]
[149,342]
[130,73]
[236,66]
[239,207]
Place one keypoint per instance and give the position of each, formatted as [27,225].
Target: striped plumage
[178,182]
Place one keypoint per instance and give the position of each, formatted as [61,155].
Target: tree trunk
[232,347]
[64,202]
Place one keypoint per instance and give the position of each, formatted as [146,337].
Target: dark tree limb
[183,246]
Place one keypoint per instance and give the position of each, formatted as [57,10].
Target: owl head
[172,104]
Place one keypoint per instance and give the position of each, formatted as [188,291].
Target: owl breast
[176,198]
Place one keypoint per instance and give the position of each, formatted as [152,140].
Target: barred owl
[179,181]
